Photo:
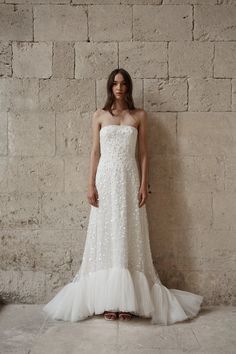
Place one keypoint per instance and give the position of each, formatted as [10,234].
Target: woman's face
[119,87]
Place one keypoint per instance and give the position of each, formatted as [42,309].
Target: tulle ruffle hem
[120,289]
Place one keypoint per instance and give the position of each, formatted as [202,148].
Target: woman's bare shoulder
[97,115]
[98,112]
[140,111]
[140,114]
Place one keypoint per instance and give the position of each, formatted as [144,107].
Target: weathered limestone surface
[211,133]
[3,133]
[234,95]
[63,61]
[215,23]
[19,95]
[16,22]
[55,57]
[165,95]
[61,95]
[191,59]
[31,137]
[209,95]
[32,60]
[225,57]
[60,23]
[110,23]
[5,58]
[155,23]
[95,60]
[144,59]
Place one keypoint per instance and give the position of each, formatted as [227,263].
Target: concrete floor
[26,329]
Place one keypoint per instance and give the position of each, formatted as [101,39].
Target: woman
[117,277]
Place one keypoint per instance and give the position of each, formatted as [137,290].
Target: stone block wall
[55,57]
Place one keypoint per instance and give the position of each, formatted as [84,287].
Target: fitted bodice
[118,142]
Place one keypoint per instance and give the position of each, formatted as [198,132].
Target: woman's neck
[119,107]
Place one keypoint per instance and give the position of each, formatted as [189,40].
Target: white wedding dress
[117,271]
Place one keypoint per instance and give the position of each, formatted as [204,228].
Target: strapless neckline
[119,125]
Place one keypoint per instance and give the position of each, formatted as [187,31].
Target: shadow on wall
[172,219]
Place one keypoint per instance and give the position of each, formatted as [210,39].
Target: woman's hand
[92,195]
[142,195]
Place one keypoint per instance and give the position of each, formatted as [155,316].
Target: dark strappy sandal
[110,315]
[125,316]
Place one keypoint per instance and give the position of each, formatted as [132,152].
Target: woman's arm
[143,156]
[94,159]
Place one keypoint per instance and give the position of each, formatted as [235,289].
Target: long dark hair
[128,94]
